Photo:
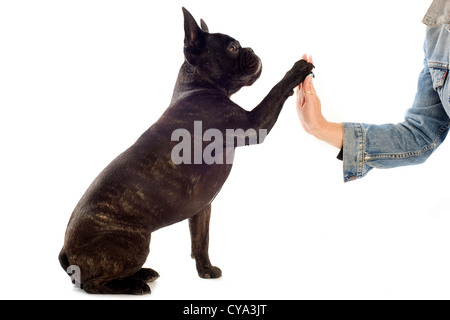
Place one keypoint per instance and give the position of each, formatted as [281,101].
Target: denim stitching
[437,65]
[410,154]
[361,147]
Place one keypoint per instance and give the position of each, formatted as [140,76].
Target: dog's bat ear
[194,39]
[193,34]
[203,25]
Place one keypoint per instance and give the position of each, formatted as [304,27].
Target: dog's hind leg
[113,265]
[199,227]
[118,286]
[145,274]
[113,283]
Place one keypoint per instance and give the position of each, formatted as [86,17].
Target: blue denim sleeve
[368,146]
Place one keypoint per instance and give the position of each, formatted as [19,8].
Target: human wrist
[329,132]
[319,129]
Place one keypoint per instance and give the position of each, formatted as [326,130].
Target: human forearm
[330,132]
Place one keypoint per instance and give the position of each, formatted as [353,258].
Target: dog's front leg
[199,227]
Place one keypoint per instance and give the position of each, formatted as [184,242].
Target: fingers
[309,92]
[307,58]
[306,90]
[300,96]
[308,86]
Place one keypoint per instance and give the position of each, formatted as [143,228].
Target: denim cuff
[353,151]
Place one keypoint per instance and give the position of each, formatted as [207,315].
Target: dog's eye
[232,47]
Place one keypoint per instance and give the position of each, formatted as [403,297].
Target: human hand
[308,104]
[309,110]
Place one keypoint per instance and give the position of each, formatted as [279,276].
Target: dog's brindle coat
[142,190]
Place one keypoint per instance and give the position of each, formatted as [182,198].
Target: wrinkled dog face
[219,58]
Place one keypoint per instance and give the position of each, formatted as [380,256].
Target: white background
[81,80]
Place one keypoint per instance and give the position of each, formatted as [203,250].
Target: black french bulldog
[143,189]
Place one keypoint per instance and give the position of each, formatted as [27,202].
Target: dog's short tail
[63,260]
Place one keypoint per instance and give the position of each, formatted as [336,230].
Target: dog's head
[218,58]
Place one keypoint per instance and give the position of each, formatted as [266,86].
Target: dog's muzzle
[250,62]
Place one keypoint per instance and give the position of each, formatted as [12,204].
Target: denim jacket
[426,124]
[438,13]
